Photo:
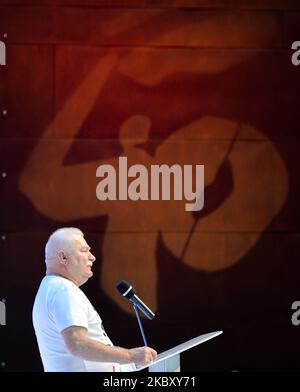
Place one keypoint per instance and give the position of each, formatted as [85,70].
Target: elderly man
[68,329]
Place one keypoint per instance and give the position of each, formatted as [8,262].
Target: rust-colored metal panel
[26,91]
[291,28]
[142,27]
[258,88]
[232,162]
[167,82]
[224,4]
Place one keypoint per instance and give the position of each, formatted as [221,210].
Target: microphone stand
[140,323]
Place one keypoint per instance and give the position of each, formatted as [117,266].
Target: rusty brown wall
[187,82]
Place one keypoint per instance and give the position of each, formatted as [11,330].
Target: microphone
[129,292]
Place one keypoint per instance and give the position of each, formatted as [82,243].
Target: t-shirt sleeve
[67,309]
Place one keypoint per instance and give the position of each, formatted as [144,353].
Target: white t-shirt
[60,304]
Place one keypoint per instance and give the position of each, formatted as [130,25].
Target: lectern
[169,361]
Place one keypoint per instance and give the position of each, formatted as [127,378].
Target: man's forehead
[81,241]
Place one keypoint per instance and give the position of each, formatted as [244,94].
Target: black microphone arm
[129,292]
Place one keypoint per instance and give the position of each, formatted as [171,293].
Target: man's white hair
[61,240]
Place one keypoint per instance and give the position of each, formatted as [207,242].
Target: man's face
[79,261]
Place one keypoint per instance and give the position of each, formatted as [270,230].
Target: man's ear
[62,257]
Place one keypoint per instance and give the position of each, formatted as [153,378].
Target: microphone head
[125,289]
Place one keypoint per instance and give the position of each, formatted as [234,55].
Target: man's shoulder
[55,284]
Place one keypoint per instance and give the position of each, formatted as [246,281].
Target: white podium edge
[181,348]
